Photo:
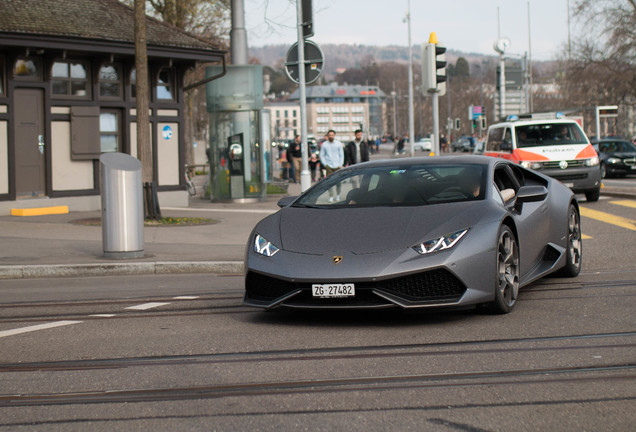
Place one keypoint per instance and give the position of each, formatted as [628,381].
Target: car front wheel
[593,195]
[507,283]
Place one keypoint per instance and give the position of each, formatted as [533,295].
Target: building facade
[285,120]
[68,94]
[344,109]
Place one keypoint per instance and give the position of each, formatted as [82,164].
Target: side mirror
[505,146]
[531,193]
[286,201]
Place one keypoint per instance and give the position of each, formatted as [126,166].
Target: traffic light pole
[305,176]
[435,108]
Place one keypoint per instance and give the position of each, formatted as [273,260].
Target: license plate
[569,184]
[633,167]
[333,290]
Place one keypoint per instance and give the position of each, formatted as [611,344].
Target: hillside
[341,56]
[353,56]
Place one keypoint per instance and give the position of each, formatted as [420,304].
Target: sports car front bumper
[463,275]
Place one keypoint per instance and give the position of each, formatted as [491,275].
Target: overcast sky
[464,25]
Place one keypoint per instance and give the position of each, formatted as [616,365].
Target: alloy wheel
[508,268]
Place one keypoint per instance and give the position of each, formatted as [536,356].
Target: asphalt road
[180,352]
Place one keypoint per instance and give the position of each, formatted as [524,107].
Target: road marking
[103,315]
[185,298]
[586,237]
[146,306]
[625,203]
[36,328]
[608,218]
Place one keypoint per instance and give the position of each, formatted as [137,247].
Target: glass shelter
[235,104]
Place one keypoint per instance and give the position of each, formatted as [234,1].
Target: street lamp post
[394,96]
[411,121]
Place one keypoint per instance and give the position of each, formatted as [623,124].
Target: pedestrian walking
[332,157]
[357,150]
[295,151]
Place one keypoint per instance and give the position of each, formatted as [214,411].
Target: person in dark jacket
[294,156]
[357,150]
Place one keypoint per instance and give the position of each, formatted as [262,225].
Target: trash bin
[122,206]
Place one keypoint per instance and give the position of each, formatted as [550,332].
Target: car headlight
[592,161]
[614,161]
[264,247]
[531,165]
[440,243]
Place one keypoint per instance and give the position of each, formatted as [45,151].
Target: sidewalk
[58,246]
[55,246]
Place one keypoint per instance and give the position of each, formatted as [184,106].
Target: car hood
[622,155]
[371,230]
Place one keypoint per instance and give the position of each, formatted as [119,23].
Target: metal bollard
[122,206]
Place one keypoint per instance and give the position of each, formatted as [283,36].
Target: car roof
[533,122]
[435,160]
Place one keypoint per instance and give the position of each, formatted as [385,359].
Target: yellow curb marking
[39,211]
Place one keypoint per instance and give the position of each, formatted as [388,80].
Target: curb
[119,269]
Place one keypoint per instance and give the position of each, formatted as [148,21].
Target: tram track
[583,373]
[574,342]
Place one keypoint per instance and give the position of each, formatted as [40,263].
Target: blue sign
[167,132]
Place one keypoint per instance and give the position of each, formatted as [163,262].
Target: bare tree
[144,151]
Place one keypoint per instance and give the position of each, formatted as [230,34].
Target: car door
[532,221]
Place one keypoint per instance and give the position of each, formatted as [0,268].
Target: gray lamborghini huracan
[414,233]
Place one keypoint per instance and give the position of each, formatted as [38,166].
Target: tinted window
[398,185]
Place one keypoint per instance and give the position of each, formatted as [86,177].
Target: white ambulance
[555,147]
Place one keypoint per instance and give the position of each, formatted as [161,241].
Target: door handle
[41,143]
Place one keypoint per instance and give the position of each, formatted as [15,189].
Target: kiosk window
[110,81]
[70,79]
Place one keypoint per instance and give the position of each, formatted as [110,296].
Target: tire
[574,246]
[603,170]
[593,195]
[507,272]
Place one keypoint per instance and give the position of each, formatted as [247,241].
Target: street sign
[314,60]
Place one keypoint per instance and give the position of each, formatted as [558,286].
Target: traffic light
[484,124]
[433,67]
[440,68]
[308,19]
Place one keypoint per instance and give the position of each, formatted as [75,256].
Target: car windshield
[547,134]
[616,146]
[397,185]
